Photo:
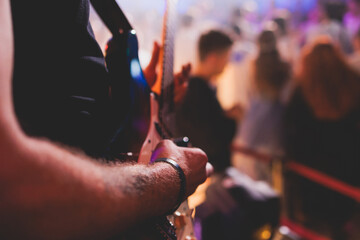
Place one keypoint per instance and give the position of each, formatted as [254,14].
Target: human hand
[181,81]
[193,162]
[236,112]
[150,73]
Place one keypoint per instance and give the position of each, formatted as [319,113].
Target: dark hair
[281,24]
[267,41]
[335,10]
[270,71]
[213,41]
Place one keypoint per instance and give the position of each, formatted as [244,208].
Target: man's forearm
[47,192]
[55,193]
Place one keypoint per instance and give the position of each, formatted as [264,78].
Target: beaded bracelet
[182,178]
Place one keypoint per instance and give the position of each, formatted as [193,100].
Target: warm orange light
[266,234]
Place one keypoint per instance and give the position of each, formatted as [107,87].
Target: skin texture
[47,192]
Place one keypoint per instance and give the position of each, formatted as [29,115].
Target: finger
[180,92]
[209,169]
[186,69]
[185,73]
[155,55]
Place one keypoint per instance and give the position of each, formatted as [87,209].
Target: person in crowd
[330,18]
[49,189]
[232,198]
[200,115]
[311,19]
[285,36]
[241,18]
[322,131]
[261,127]
[354,59]
[352,17]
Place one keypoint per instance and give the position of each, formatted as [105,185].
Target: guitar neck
[167,108]
[112,15]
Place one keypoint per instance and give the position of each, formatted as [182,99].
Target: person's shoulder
[197,79]
[197,82]
[198,88]
[296,99]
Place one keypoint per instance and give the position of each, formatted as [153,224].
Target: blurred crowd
[299,87]
[295,78]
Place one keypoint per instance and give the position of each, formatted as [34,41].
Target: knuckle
[167,142]
[203,157]
[164,143]
[200,153]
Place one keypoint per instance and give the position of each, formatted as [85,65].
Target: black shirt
[328,146]
[60,81]
[202,119]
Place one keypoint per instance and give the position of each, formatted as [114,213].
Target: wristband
[182,178]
